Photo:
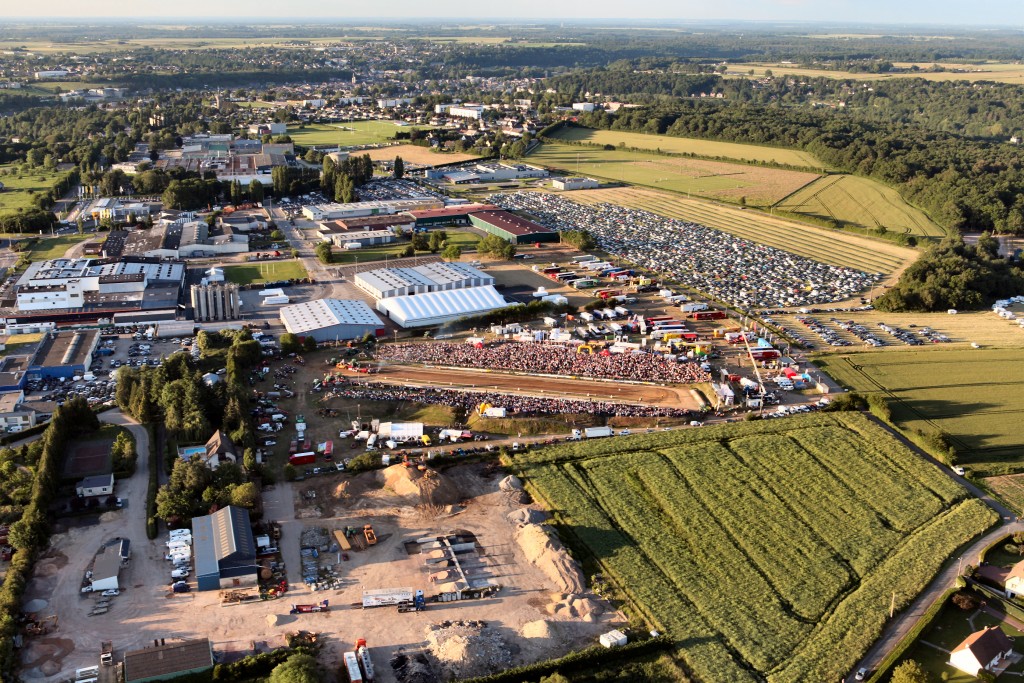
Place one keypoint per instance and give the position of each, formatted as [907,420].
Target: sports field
[860,203]
[827,246]
[768,550]
[269,271]
[705,148]
[414,154]
[18,187]
[348,134]
[971,394]
[740,183]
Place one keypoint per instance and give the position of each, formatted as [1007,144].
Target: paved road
[908,618]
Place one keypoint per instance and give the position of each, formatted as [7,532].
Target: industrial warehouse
[511,228]
[384,283]
[331,319]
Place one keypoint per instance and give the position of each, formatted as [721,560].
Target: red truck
[709,315]
[293,447]
[309,609]
[307,458]
[764,354]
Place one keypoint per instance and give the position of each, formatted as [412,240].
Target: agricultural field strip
[803,242]
[807,573]
[683,145]
[816,482]
[575,487]
[881,486]
[836,643]
[666,539]
[651,591]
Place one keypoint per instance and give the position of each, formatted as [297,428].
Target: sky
[1001,13]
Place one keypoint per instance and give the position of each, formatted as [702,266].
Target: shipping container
[597,432]
[302,458]
[352,668]
[709,315]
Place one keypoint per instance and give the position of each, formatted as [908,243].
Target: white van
[371,443]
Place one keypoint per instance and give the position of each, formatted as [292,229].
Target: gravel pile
[414,668]
[465,649]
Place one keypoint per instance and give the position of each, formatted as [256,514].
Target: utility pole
[892,605]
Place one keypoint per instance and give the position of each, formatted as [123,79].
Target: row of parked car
[179,553]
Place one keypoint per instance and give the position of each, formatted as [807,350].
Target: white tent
[437,308]
[400,431]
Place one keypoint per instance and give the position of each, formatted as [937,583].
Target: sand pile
[528,516]
[544,550]
[466,649]
[540,629]
[427,487]
[575,607]
[510,483]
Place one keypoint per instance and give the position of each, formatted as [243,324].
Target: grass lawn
[948,630]
[347,134]
[466,240]
[727,181]
[827,246]
[54,247]
[728,538]
[972,394]
[1000,72]
[18,186]
[705,148]
[860,203]
[270,271]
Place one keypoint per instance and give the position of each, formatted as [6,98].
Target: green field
[733,182]
[767,550]
[19,186]
[466,240]
[971,394]
[348,134]
[841,249]
[705,148]
[860,203]
[269,271]
[54,247]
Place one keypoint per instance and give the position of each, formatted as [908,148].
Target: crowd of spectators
[514,405]
[549,359]
[743,273]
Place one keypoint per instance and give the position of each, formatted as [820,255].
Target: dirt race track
[674,397]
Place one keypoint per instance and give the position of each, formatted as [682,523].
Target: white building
[438,308]
[987,649]
[106,568]
[384,283]
[466,111]
[573,183]
[71,283]
[331,319]
[91,487]
[331,212]
[584,106]
[13,415]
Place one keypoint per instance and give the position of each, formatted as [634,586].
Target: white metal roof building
[384,283]
[437,308]
[330,319]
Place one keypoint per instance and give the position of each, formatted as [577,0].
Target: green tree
[420,242]
[289,343]
[298,668]
[452,252]
[910,672]
[436,242]
[309,344]
[255,191]
[399,168]
[492,245]
[324,252]
[245,495]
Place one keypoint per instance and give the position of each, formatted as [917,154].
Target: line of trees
[30,534]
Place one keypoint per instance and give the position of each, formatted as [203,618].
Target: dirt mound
[510,483]
[466,649]
[575,607]
[544,550]
[428,487]
[528,516]
[537,629]
[414,668]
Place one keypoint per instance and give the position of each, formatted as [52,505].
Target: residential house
[220,448]
[99,485]
[1014,583]
[987,650]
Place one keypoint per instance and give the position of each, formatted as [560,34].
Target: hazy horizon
[997,13]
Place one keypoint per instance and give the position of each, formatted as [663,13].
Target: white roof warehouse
[330,319]
[437,308]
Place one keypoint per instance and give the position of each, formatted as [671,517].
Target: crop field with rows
[767,550]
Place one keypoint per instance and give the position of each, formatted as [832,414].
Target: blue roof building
[225,552]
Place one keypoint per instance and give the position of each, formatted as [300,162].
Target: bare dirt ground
[518,614]
[537,386]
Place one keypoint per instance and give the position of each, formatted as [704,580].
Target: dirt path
[405,375]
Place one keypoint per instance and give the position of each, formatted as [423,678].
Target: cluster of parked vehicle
[827,334]
[179,553]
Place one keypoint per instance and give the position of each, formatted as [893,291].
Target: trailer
[306,458]
[322,606]
[710,315]
[387,597]
[352,668]
[597,432]
[693,307]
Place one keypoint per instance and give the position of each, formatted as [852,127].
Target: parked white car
[179,574]
[110,593]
